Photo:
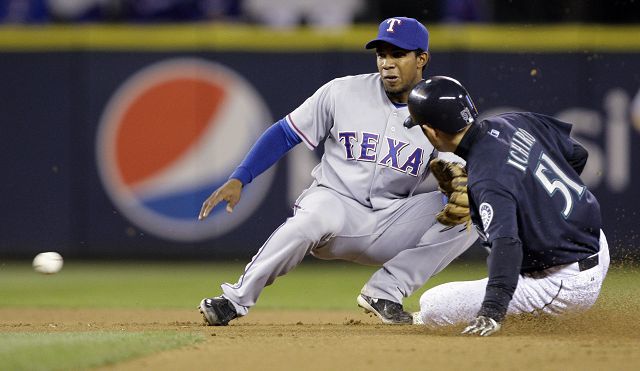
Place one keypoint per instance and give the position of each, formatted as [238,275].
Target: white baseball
[48,262]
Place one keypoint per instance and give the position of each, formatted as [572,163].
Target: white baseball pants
[557,290]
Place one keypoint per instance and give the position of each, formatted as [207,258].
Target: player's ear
[426,129]
[441,135]
[428,132]
[423,59]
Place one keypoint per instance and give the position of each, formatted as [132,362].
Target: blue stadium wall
[58,82]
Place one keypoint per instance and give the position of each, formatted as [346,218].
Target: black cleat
[388,311]
[217,311]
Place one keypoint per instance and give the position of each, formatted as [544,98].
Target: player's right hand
[229,191]
[483,326]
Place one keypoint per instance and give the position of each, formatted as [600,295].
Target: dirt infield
[351,340]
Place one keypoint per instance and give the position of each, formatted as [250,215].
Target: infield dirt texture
[287,333]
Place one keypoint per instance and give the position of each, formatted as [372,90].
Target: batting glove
[483,326]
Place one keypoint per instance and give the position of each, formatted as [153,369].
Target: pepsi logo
[169,136]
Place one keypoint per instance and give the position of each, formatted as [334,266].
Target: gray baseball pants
[404,239]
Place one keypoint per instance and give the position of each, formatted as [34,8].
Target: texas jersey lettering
[370,143]
[390,155]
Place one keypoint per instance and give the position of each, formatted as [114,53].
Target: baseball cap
[403,32]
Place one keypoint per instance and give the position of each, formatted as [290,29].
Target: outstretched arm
[497,212]
[267,150]
[504,269]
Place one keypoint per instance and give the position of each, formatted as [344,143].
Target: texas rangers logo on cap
[170,135]
[405,33]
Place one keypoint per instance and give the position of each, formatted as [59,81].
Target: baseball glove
[452,181]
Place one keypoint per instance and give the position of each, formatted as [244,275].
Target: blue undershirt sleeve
[268,149]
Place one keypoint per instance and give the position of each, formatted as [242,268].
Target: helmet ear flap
[409,123]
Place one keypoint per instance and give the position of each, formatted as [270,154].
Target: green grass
[312,285]
[79,350]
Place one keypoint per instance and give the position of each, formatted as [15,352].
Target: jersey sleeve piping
[306,140]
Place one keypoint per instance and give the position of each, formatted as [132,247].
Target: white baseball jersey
[369,155]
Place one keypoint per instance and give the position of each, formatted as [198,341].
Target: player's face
[400,70]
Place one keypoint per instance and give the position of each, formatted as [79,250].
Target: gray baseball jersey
[358,208]
[369,155]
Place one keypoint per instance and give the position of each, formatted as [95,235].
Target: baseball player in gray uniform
[361,206]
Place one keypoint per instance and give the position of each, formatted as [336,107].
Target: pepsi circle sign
[170,135]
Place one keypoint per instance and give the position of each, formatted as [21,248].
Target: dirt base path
[350,340]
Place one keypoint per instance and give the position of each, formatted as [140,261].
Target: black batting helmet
[442,103]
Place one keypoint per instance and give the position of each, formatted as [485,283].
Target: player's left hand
[483,326]
[451,176]
[452,181]
[456,211]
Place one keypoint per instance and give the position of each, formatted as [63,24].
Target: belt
[588,263]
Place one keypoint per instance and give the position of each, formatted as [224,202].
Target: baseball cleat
[388,311]
[217,311]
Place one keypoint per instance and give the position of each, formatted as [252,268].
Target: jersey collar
[470,137]
[399,105]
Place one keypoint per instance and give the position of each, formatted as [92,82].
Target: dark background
[51,99]
[51,102]
[365,11]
